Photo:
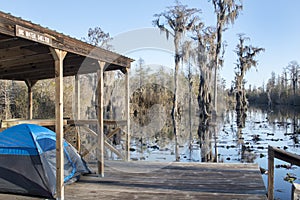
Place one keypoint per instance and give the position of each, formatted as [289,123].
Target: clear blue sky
[272,24]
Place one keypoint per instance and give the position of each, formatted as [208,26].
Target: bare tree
[227,12]
[246,59]
[205,38]
[294,69]
[175,21]
[97,37]
[205,53]
[189,55]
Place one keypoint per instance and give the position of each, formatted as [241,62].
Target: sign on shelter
[33,35]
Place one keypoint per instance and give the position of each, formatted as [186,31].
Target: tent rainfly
[28,161]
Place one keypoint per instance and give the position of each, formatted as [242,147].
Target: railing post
[270,173]
[296,191]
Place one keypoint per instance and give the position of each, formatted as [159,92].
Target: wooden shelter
[30,52]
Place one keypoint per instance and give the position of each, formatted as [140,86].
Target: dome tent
[28,161]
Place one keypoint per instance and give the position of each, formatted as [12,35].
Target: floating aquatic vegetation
[290,177]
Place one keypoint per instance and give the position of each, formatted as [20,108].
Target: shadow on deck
[154,180]
[147,180]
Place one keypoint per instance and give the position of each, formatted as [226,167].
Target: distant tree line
[280,89]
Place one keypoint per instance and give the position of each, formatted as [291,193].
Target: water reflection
[227,141]
[204,134]
[278,127]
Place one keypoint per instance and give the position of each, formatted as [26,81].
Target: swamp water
[229,144]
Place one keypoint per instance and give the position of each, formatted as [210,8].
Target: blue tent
[28,161]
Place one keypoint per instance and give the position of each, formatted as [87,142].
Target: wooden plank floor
[149,180]
[143,180]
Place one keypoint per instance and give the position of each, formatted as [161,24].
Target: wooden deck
[148,180]
[174,181]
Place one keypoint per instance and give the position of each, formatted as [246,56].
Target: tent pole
[59,56]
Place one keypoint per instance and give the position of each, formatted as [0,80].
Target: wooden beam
[77,110]
[63,42]
[274,152]
[24,60]
[270,173]
[29,84]
[77,98]
[39,69]
[14,42]
[127,113]
[83,122]
[59,56]
[295,191]
[112,148]
[292,158]
[41,122]
[109,135]
[17,52]
[100,151]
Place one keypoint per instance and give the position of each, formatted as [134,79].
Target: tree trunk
[190,111]
[204,137]
[241,102]
[216,62]
[175,114]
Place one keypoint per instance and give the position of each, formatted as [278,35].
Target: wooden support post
[270,173]
[127,113]
[77,98]
[100,152]
[29,84]
[296,191]
[59,56]
[77,110]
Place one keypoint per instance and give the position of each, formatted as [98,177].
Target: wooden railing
[274,152]
[80,123]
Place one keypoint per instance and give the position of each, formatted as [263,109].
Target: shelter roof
[25,52]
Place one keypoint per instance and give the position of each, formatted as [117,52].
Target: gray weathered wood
[29,84]
[165,181]
[28,56]
[59,56]
[274,152]
[113,149]
[83,122]
[296,191]
[100,152]
[77,98]
[270,173]
[127,113]
[292,158]
[154,180]
[42,122]
[112,133]
[77,110]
